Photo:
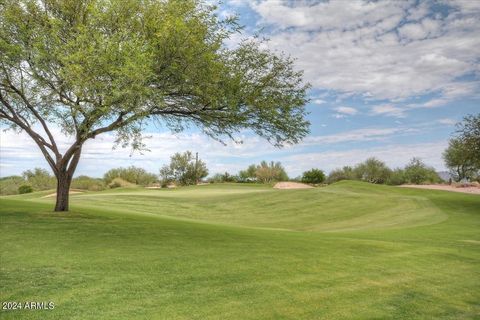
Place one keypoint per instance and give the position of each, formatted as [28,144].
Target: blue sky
[389,79]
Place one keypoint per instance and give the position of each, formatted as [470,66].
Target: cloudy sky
[389,79]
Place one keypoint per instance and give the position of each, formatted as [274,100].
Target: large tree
[462,156]
[458,158]
[97,66]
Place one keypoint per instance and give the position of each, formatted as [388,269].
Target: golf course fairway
[350,250]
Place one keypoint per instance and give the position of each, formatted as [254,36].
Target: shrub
[270,172]
[40,179]
[417,172]
[220,178]
[131,174]
[313,176]
[88,183]
[119,183]
[10,185]
[264,173]
[346,173]
[248,175]
[183,169]
[373,171]
[25,189]
[397,177]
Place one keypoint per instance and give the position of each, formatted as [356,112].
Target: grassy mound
[347,251]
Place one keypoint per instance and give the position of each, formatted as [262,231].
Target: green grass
[346,251]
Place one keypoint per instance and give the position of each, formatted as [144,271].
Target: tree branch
[42,144]
[52,145]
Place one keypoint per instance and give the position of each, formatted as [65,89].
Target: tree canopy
[459,160]
[462,156]
[96,66]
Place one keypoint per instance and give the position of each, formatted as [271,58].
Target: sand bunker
[471,190]
[291,185]
[55,194]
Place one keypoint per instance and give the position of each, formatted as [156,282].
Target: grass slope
[347,251]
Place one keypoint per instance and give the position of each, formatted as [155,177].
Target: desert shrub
[345,173]
[313,176]
[270,172]
[183,169]
[119,183]
[88,183]
[40,179]
[248,175]
[372,170]
[25,189]
[417,172]
[131,174]
[222,177]
[10,184]
[265,172]
[397,177]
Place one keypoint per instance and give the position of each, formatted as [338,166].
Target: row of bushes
[30,180]
[376,171]
[372,170]
[40,179]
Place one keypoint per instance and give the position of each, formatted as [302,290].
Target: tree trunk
[63,189]
[66,167]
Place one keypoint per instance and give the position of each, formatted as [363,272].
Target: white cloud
[358,135]
[447,121]
[354,47]
[388,110]
[346,110]
[319,101]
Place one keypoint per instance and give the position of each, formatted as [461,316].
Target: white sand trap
[55,194]
[291,185]
[446,187]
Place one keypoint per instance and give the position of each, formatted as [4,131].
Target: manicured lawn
[347,251]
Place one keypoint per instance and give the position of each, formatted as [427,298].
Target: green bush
[417,172]
[265,172]
[220,178]
[40,179]
[397,177]
[184,169]
[120,183]
[25,189]
[373,171]
[346,173]
[131,174]
[313,176]
[9,185]
[88,183]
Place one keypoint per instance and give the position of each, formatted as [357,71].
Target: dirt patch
[471,190]
[291,185]
[55,194]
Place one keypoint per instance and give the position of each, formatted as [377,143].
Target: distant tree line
[376,171]
[462,157]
